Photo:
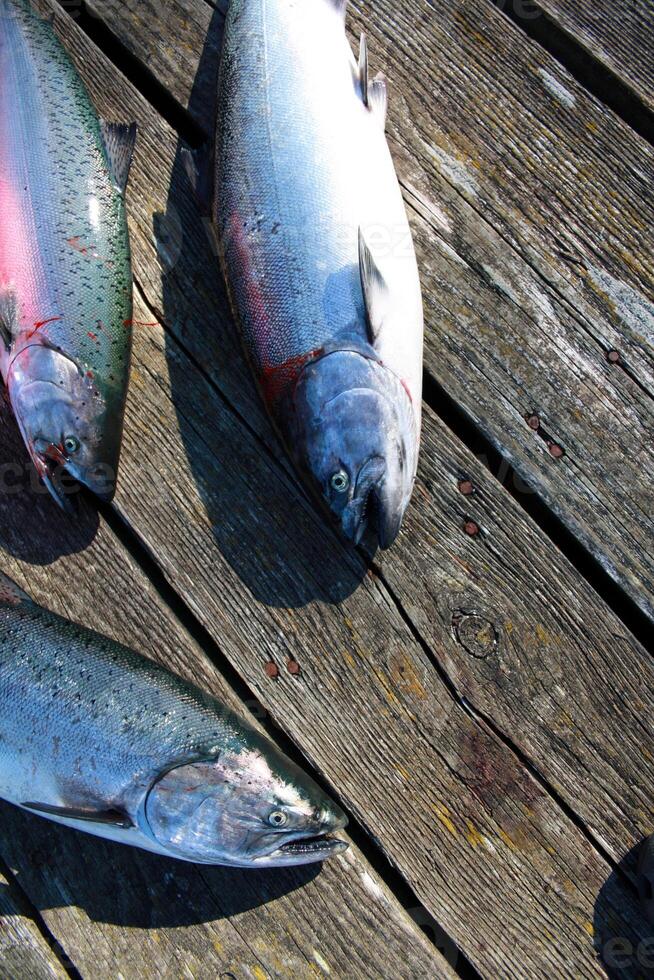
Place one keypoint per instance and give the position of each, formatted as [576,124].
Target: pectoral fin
[378,98]
[8,316]
[111,818]
[119,141]
[363,68]
[198,167]
[375,291]
[373,93]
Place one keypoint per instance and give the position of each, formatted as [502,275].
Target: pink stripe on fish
[18,254]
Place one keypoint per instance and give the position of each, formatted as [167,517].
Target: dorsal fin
[375,291]
[363,68]
[11,594]
[119,140]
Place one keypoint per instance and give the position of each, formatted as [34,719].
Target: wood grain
[553,632]
[24,953]
[533,245]
[619,34]
[212,495]
[117,911]
[282,588]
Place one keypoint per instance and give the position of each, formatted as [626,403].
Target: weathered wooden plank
[529,281]
[120,912]
[24,953]
[116,910]
[200,322]
[281,587]
[203,510]
[620,34]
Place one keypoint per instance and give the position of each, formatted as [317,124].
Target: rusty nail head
[466,487]
[613,357]
[471,528]
[555,450]
[271,668]
[533,422]
[293,667]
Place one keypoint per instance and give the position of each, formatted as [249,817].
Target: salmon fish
[96,737]
[318,257]
[65,271]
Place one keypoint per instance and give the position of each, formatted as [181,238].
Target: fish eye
[340,481]
[71,445]
[277,818]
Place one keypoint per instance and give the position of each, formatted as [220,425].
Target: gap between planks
[616,598]
[172,596]
[607,86]
[398,885]
[23,905]
[493,455]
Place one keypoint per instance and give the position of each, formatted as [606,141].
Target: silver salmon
[96,737]
[65,271]
[318,256]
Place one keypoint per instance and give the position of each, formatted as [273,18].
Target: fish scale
[317,254]
[101,739]
[124,710]
[64,246]
[52,144]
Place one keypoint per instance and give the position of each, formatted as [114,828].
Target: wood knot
[477,635]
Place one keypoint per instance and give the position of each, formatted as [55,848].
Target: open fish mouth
[51,466]
[65,479]
[307,849]
[374,506]
[314,845]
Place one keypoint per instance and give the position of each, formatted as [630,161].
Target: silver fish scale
[74,246]
[288,238]
[85,719]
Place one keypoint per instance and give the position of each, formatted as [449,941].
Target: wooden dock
[480,698]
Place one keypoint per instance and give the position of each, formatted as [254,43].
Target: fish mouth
[304,847]
[305,850]
[318,847]
[372,506]
[47,390]
[52,466]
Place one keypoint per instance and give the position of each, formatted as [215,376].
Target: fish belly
[301,165]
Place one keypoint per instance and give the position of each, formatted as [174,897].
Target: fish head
[61,417]
[355,435]
[247,807]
